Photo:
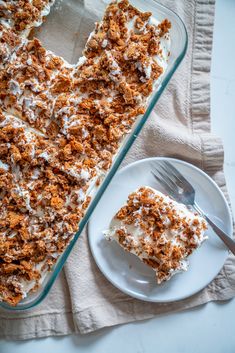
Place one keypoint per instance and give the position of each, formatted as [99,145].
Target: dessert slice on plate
[157,229]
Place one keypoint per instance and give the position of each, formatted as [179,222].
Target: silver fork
[182,191]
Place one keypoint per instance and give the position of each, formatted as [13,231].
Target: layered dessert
[61,126]
[159,231]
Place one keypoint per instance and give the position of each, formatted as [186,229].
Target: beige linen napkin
[82,300]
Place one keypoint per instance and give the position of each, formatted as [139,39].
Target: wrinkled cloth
[82,300]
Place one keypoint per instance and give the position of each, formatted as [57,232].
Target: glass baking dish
[70,23]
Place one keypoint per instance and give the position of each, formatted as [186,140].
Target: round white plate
[126,271]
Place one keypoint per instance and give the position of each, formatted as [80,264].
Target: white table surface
[209,328]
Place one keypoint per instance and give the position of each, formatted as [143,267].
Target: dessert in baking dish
[61,126]
[157,229]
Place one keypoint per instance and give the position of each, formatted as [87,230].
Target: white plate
[126,271]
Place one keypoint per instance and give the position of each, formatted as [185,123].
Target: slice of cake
[157,229]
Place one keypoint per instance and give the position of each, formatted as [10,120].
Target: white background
[209,328]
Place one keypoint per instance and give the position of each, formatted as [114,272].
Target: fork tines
[171,179]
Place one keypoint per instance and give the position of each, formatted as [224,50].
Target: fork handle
[222,235]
